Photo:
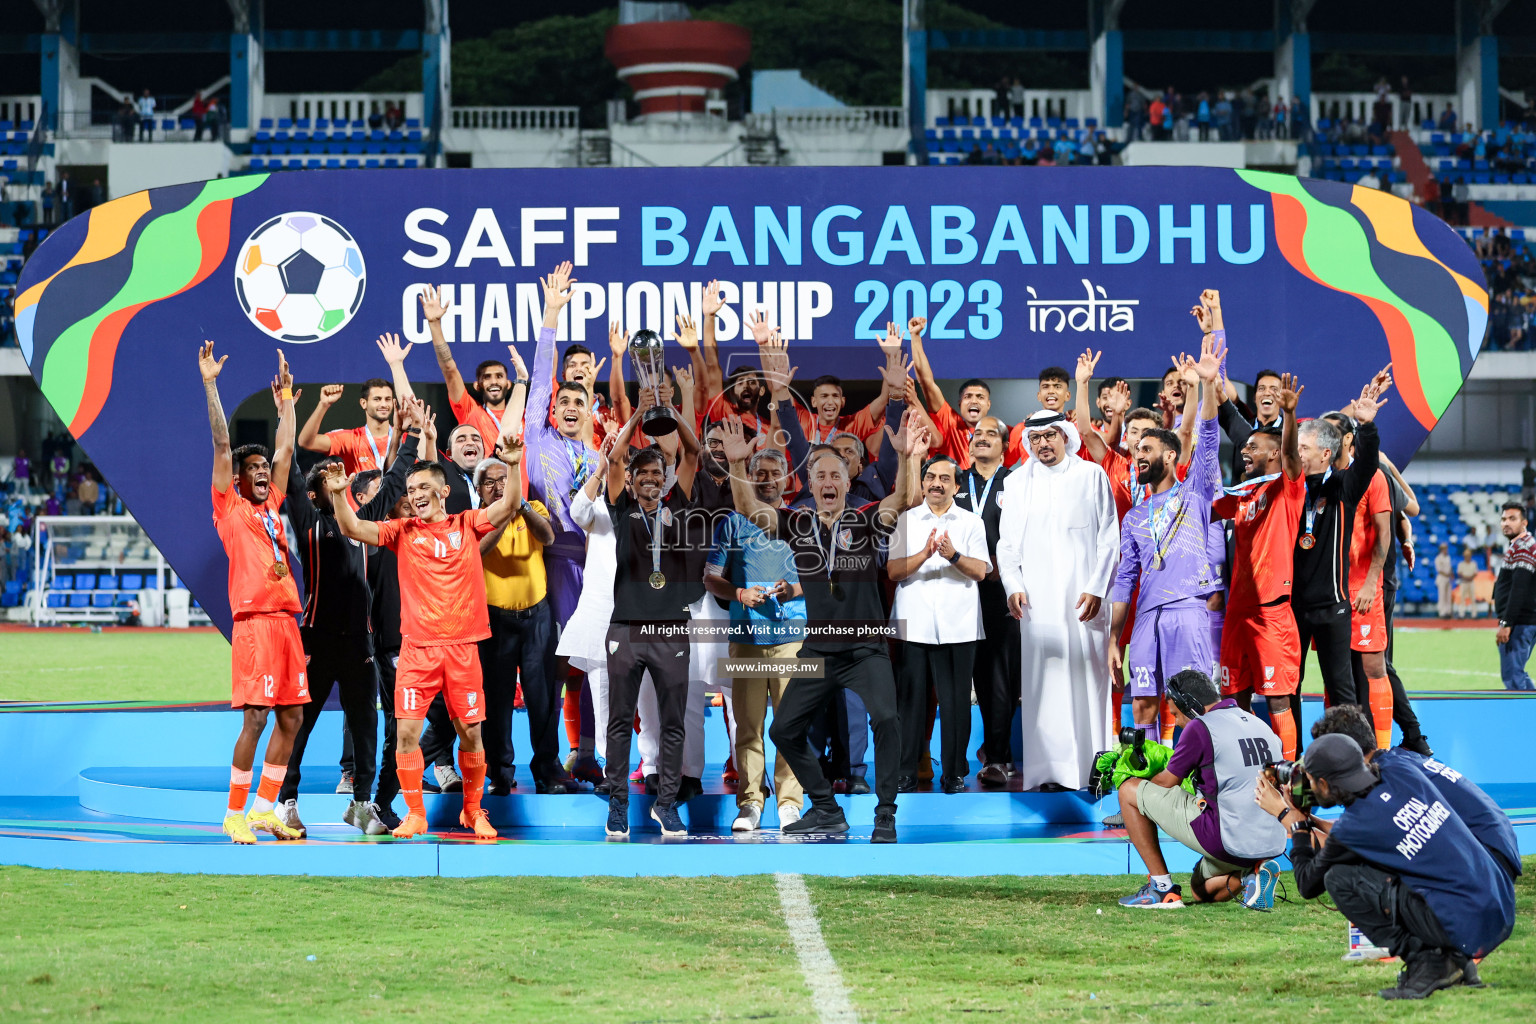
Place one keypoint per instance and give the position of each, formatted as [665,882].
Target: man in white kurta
[1056,554]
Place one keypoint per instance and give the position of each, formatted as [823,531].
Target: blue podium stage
[143,789]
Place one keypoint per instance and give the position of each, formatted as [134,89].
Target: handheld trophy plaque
[650,368]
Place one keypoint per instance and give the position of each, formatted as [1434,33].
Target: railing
[825,119]
[515,118]
[1360,106]
[952,103]
[345,106]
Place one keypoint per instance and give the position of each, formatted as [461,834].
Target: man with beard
[1260,650]
[1321,600]
[1056,550]
[336,631]
[370,446]
[837,556]
[1164,556]
[656,578]
[996,671]
[756,573]
[491,381]
[267,655]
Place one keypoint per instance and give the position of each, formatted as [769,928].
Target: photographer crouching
[1399,863]
[1221,751]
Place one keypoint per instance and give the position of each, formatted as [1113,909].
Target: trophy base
[658,423]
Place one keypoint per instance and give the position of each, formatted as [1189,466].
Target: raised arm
[516,412]
[394,354]
[900,386]
[1118,405]
[688,340]
[1290,442]
[223,458]
[1367,440]
[930,388]
[541,390]
[501,510]
[392,483]
[335,480]
[713,379]
[282,448]
[687,456]
[738,452]
[1086,364]
[618,397]
[310,438]
[618,455]
[909,439]
[432,308]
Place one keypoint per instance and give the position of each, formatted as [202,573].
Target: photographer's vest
[1242,745]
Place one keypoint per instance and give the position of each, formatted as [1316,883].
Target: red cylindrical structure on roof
[672,65]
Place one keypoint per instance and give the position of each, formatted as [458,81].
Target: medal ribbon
[378,459]
[1311,512]
[1137,490]
[1247,487]
[655,536]
[268,521]
[831,547]
[1164,523]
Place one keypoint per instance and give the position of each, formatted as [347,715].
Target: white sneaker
[447,778]
[361,816]
[747,819]
[788,814]
[288,814]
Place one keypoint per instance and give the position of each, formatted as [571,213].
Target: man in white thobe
[1056,553]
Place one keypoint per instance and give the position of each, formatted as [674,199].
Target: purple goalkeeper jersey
[1164,540]
[557,465]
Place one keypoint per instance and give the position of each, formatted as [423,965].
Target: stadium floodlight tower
[672,63]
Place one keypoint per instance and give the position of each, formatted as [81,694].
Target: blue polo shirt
[745,556]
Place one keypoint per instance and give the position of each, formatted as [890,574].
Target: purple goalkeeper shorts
[1165,642]
[564,576]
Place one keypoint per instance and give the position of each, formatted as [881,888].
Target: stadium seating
[1459,516]
[302,143]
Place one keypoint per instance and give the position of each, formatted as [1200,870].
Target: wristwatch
[952,559]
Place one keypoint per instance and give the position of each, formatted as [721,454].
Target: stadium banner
[1015,268]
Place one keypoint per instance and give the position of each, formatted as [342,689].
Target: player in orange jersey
[370,446]
[1260,648]
[442,619]
[266,654]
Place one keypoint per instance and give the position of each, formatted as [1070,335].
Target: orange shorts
[267,662]
[1368,632]
[453,670]
[1260,651]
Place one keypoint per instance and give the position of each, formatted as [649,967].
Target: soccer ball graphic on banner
[300,277]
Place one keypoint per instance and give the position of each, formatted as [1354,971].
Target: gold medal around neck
[279,570]
[1306,542]
[658,580]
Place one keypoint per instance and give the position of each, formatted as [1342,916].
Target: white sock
[266,805]
[1162,882]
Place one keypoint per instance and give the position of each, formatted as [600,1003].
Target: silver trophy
[650,369]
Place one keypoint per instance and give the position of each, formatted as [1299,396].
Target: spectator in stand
[89,492]
[1016,98]
[1466,572]
[146,111]
[1203,116]
[1514,598]
[1278,117]
[214,120]
[394,117]
[1135,114]
[1443,577]
[1405,98]
[1157,114]
[1447,122]
[21,472]
[1047,155]
[375,120]
[1223,115]
[48,198]
[197,113]
[1527,482]
[1301,120]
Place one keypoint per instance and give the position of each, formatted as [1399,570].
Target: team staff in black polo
[659,572]
[995,674]
[837,553]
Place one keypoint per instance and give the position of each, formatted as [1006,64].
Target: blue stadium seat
[103,600]
[132,581]
[78,600]
[62,581]
[313,162]
[265,123]
[371,162]
[391,162]
[57,600]
[333,162]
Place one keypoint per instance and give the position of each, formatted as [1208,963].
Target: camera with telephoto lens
[1288,775]
[1135,738]
[1101,775]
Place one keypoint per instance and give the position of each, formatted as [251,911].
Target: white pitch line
[829,996]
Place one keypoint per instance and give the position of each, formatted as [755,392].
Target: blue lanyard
[1247,487]
[1164,522]
[977,506]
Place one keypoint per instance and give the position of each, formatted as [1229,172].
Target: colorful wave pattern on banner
[1363,242]
[137,250]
